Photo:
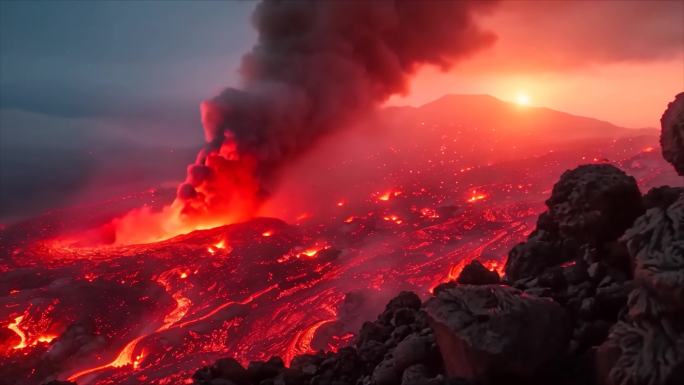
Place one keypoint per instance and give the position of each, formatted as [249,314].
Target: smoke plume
[317,67]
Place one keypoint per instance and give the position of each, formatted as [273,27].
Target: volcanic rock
[414,349]
[260,370]
[672,133]
[647,347]
[642,353]
[590,206]
[224,369]
[476,274]
[594,203]
[656,241]
[662,196]
[485,332]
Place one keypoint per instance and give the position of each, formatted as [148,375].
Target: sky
[619,61]
[84,83]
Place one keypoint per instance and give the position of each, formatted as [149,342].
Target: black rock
[372,331]
[476,274]
[405,299]
[656,241]
[662,196]
[642,353]
[372,352]
[260,370]
[414,349]
[672,133]
[488,331]
[590,206]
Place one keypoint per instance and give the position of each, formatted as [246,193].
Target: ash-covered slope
[595,295]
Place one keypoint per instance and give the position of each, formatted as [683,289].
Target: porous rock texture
[590,206]
[583,302]
[475,273]
[647,347]
[491,331]
[672,133]
[595,296]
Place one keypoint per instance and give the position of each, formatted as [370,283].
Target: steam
[317,67]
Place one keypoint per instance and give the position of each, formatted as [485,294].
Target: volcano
[430,190]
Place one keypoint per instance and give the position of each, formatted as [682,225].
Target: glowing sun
[522,99]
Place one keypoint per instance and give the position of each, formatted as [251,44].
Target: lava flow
[154,313]
[253,257]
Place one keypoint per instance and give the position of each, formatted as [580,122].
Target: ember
[250,259]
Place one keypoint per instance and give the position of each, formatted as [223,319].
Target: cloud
[565,35]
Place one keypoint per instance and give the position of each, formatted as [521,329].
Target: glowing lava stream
[223,306]
[455,270]
[126,357]
[15,328]
[301,342]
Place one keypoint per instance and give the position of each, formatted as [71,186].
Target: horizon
[137,77]
[205,192]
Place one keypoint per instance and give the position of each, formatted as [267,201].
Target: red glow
[476,196]
[266,287]
[14,326]
[26,340]
[387,195]
[393,218]
[495,265]
[301,342]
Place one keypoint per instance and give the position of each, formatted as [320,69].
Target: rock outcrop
[672,133]
[488,332]
[647,347]
[476,274]
[594,296]
[590,206]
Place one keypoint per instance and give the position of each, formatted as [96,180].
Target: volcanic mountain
[402,201]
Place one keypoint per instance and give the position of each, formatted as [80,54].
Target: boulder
[476,274]
[641,353]
[227,369]
[672,133]
[589,206]
[486,332]
[647,347]
[662,196]
[656,242]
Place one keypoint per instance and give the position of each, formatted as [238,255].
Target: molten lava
[476,196]
[153,313]
[14,326]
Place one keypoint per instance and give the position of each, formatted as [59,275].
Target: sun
[522,99]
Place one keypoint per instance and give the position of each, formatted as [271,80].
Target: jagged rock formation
[672,133]
[398,348]
[647,347]
[589,207]
[594,296]
[613,312]
[476,274]
[491,331]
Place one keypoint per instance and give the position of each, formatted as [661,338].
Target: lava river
[155,313]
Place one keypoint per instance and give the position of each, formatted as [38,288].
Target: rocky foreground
[595,295]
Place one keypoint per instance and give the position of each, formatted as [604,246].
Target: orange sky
[620,61]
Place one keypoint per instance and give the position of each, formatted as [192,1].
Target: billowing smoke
[316,68]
